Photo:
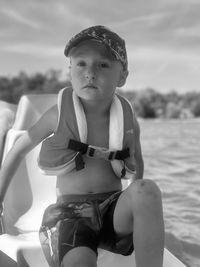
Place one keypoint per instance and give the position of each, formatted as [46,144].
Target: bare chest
[98,131]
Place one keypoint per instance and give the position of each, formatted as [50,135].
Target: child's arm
[138,151]
[43,128]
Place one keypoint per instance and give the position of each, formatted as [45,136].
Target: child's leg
[139,210]
[80,257]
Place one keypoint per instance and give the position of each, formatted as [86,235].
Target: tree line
[147,103]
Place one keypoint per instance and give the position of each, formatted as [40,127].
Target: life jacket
[63,151]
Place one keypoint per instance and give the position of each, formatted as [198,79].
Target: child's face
[94,74]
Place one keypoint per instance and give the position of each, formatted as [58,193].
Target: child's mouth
[90,86]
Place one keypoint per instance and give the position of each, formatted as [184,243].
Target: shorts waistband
[85,197]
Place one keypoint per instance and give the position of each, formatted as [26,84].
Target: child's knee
[78,263]
[144,191]
[79,257]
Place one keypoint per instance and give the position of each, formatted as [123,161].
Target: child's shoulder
[127,105]
[48,120]
[66,91]
[130,116]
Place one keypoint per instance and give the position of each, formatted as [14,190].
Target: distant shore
[147,102]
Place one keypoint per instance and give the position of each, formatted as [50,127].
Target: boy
[91,141]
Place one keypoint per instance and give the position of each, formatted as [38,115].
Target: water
[171,151]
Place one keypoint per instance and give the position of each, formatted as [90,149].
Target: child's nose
[90,74]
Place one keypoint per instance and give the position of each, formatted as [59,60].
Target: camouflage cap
[104,35]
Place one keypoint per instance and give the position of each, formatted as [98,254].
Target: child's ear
[69,73]
[122,79]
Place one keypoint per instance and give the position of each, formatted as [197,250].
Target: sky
[162,37]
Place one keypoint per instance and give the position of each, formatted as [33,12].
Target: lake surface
[171,151]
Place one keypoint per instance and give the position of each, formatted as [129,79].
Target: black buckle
[100,152]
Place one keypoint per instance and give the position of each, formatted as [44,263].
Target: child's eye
[81,64]
[104,65]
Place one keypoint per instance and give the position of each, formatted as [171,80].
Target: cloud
[33,49]
[17,17]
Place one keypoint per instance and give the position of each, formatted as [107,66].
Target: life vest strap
[98,152]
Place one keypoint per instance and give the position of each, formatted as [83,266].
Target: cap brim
[75,42]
